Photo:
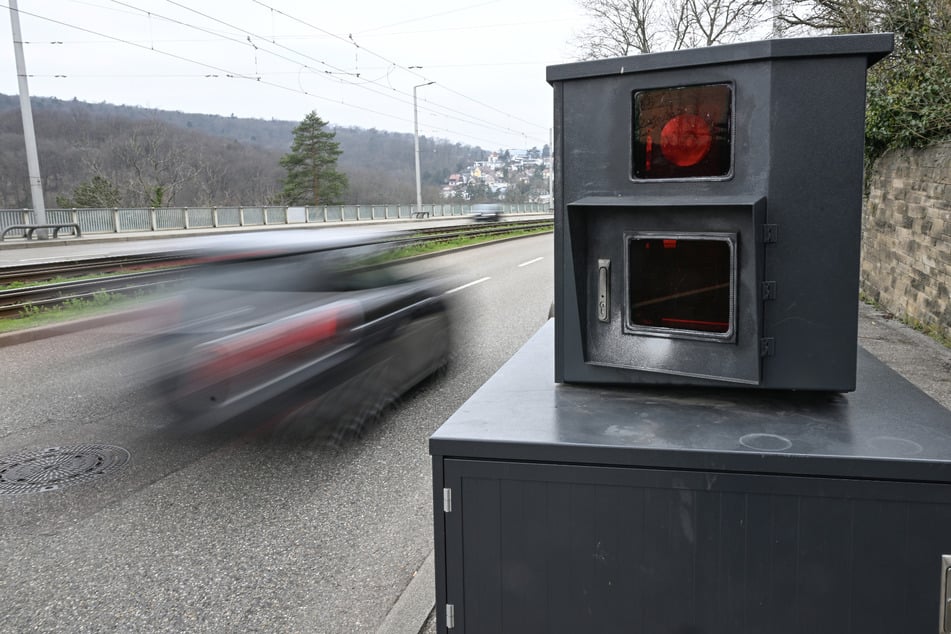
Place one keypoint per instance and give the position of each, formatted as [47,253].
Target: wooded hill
[201,160]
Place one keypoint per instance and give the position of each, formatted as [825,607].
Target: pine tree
[98,193]
[312,176]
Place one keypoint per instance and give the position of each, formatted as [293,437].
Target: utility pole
[779,27]
[419,188]
[29,135]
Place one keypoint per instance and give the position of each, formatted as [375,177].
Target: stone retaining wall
[906,242]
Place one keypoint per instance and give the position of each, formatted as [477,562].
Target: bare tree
[719,21]
[618,28]
[836,16]
[627,27]
[158,167]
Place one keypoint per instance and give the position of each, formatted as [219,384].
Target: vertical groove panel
[560,548]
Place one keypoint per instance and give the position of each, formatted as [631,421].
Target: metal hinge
[770,233]
[450,616]
[767,346]
[447,500]
[769,290]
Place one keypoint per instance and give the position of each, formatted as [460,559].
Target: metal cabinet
[585,509]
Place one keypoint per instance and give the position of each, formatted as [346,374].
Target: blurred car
[311,324]
[491,212]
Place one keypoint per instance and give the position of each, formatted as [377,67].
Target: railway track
[150,272]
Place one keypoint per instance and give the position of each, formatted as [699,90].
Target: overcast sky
[353,62]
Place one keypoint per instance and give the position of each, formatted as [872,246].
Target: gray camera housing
[771,229]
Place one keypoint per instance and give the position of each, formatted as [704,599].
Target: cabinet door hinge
[769,290]
[767,346]
[450,616]
[447,500]
[770,233]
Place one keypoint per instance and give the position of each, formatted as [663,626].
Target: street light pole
[419,188]
[29,135]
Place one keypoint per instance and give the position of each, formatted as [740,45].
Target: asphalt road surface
[226,533]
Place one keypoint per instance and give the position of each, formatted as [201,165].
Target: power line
[225,72]
[407,69]
[453,115]
[373,85]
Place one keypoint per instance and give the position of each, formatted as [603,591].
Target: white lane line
[531,262]
[459,288]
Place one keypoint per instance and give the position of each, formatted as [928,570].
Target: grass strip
[455,243]
[77,308]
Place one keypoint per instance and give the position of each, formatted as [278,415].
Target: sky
[355,63]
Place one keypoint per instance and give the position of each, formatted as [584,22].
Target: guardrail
[125,220]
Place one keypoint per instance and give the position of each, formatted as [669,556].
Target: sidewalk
[917,357]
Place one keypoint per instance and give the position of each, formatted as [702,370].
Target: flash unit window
[682,133]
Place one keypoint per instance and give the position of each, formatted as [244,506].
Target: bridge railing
[127,219]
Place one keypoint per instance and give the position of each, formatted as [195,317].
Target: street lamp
[419,189]
[29,134]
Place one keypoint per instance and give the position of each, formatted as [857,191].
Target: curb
[411,611]
[72,326]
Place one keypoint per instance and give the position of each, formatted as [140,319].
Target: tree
[909,92]
[98,193]
[619,28]
[312,176]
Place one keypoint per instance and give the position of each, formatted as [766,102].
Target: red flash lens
[681,133]
[685,140]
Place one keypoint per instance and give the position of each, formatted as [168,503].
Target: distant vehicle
[304,325]
[487,211]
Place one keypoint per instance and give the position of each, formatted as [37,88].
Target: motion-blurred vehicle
[304,324]
[490,212]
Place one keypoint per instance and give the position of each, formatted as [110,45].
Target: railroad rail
[74,268]
[147,272]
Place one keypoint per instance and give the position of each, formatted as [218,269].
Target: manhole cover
[57,467]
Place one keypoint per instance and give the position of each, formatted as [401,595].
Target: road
[236,534]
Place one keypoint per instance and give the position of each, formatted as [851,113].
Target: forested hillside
[181,159]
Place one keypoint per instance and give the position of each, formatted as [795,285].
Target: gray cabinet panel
[571,548]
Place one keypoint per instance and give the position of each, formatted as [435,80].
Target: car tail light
[230,356]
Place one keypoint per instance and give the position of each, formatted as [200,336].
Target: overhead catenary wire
[408,69]
[452,113]
[222,72]
[225,72]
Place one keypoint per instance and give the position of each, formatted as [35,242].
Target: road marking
[531,262]
[459,288]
